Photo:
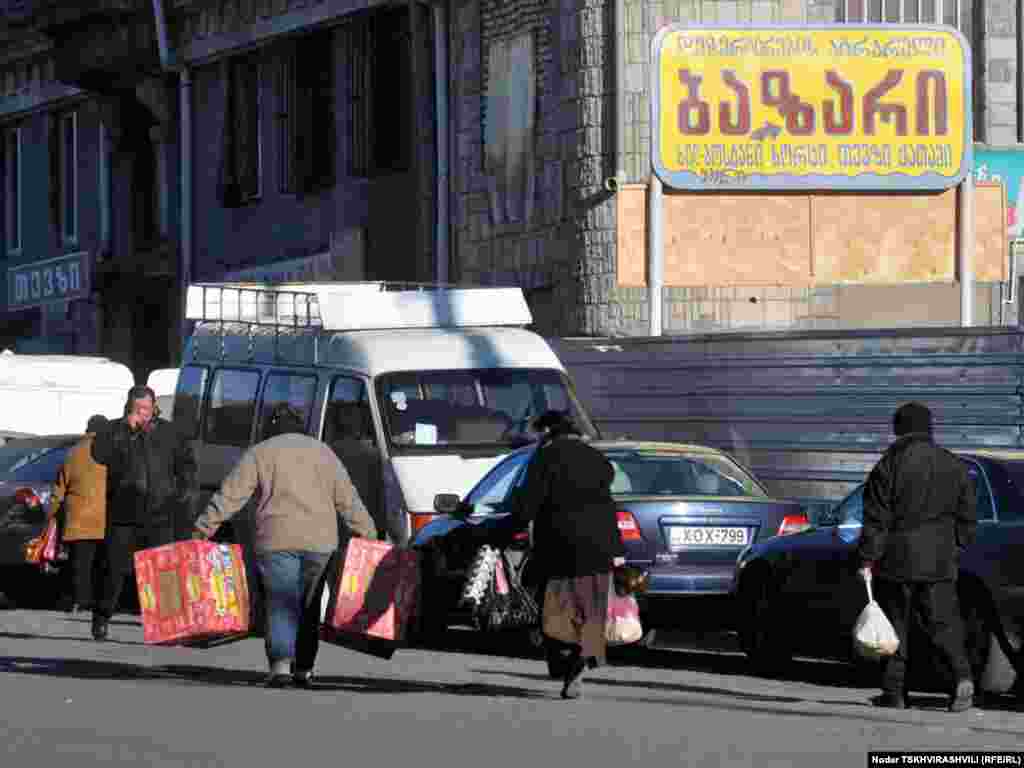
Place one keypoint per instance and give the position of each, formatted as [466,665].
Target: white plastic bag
[873,633]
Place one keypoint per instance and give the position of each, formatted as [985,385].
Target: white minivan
[420,391]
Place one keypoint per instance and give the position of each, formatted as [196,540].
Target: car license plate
[680,536]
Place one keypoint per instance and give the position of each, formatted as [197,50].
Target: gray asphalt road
[68,701]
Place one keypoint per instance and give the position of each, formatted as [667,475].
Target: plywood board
[737,240]
[824,239]
[631,235]
[991,255]
[884,238]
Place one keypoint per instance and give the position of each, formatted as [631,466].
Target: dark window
[380,92]
[42,469]
[188,399]
[1008,478]
[348,412]
[69,176]
[305,115]
[488,406]
[297,391]
[240,156]
[982,495]
[12,159]
[232,407]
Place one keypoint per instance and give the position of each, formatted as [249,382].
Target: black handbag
[515,609]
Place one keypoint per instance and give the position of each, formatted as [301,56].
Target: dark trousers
[122,543]
[79,570]
[935,607]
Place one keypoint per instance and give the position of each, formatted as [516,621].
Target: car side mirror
[447,503]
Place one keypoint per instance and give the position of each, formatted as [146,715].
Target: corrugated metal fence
[810,412]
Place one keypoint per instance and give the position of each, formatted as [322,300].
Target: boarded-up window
[509,124]
[380,89]
[306,115]
[240,155]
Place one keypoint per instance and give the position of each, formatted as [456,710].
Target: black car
[800,594]
[28,470]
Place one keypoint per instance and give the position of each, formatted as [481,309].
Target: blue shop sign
[43,282]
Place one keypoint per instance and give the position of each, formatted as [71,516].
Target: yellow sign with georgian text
[837,107]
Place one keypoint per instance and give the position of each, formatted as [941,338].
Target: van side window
[232,407]
[298,391]
[189,399]
[348,412]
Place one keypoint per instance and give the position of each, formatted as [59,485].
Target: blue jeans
[293,584]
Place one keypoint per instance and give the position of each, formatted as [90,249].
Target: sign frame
[44,296]
[865,182]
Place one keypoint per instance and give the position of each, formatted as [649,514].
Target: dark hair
[139,392]
[285,418]
[910,418]
[556,423]
[96,423]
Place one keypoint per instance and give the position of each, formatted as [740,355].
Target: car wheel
[759,640]
[992,670]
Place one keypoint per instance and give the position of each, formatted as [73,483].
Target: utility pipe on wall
[965,249]
[441,138]
[619,34]
[185,112]
[160,22]
[656,252]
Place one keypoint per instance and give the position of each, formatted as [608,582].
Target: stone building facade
[472,141]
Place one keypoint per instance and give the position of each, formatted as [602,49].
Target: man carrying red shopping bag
[303,488]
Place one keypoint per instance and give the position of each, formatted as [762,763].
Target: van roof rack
[351,306]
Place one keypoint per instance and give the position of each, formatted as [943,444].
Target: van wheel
[759,639]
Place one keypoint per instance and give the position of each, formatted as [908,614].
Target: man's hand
[199,535]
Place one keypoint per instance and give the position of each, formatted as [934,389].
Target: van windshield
[485,407]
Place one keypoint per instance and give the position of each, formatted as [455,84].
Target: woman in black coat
[576,542]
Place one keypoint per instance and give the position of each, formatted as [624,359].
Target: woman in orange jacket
[81,489]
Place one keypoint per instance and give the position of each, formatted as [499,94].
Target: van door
[350,432]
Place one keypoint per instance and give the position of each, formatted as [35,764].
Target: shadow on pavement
[84,669]
[83,638]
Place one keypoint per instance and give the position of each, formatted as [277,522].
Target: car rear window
[1012,482]
[43,468]
[673,474]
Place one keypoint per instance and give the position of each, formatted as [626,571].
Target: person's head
[554,423]
[285,418]
[912,418]
[96,424]
[140,408]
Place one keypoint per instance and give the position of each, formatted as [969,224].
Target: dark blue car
[800,594]
[685,513]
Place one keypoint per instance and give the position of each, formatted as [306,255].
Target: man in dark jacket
[151,474]
[919,512]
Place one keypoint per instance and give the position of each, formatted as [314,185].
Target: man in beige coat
[303,488]
[82,489]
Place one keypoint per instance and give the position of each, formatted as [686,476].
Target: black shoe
[100,628]
[573,687]
[303,680]
[66,605]
[278,681]
[890,701]
[963,698]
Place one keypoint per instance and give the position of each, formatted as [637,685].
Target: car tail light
[522,536]
[28,498]
[794,524]
[628,529]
